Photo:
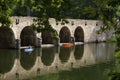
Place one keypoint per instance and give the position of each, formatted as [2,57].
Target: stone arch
[65,35]
[7,38]
[79,34]
[28,36]
[79,51]
[47,37]
[48,55]
[27,60]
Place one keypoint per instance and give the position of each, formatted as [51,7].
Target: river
[80,62]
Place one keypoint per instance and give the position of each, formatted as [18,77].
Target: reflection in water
[79,50]
[48,55]
[18,64]
[64,54]
[27,59]
[7,58]
[94,72]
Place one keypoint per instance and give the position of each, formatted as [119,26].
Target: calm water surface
[81,62]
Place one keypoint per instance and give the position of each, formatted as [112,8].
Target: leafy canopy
[6,7]
[107,11]
[45,9]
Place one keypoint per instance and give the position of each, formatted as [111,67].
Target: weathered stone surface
[7,39]
[89,28]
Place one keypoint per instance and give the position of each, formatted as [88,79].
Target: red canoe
[67,45]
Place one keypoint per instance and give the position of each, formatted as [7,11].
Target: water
[81,62]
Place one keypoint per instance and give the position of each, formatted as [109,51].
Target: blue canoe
[28,49]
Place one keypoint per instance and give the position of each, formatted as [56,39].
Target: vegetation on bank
[112,40]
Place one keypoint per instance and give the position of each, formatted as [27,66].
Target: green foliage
[44,11]
[6,7]
[23,8]
[112,39]
[114,73]
[117,54]
[89,11]
[107,11]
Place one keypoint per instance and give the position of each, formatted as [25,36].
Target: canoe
[67,44]
[28,49]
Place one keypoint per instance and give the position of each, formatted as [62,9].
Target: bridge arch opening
[28,37]
[65,35]
[79,34]
[47,37]
[7,38]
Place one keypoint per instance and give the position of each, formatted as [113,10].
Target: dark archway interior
[79,34]
[47,37]
[7,38]
[65,36]
[28,37]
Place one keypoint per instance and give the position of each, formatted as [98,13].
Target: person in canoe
[30,47]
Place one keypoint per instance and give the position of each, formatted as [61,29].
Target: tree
[6,7]
[23,8]
[108,11]
[44,10]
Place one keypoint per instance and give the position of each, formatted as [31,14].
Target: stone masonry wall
[89,27]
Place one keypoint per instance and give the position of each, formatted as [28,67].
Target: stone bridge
[80,30]
[19,69]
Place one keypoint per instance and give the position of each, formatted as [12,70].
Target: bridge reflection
[20,65]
